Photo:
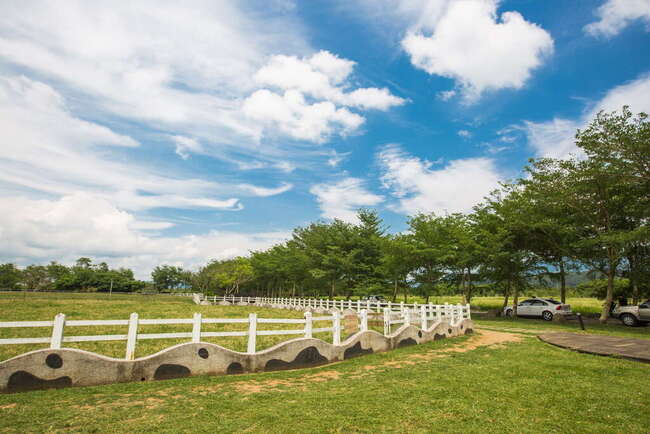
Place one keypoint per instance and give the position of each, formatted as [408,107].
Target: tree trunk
[635,293]
[405,293]
[515,300]
[562,282]
[607,306]
[507,295]
[332,291]
[633,280]
[293,292]
[468,297]
[395,291]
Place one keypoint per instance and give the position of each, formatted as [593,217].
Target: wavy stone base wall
[43,369]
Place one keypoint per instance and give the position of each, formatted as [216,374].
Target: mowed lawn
[454,385]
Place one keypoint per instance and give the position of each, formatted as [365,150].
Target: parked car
[373,298]
[633,315]
[536,307]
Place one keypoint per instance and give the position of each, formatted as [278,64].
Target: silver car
[633,315]
[544,308]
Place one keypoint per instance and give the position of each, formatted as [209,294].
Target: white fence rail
[59,325]
[357,305]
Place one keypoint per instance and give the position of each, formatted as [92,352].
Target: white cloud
[464,134]
[446,95]
[556,138]
[419,187]
[83,224]
[342,199]
[553,139]
[311,100]
[615,15]
[179,70]
[186,145]
[469,43]
[336,158]
[264,192]
[293,116]
[48,150]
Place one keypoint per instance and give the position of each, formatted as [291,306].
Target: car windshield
[550,300]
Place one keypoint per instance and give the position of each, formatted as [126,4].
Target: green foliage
[598,288]
[82,277]
[169,277]
[9,276]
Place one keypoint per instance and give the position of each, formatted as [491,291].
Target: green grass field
[468,384]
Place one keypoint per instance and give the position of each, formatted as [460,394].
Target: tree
[609,192]
[9,276]
[397,261]
[427,241]
[167,277]
[507,257]
[35,277]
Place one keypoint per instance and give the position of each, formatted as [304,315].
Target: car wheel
[509,313]
[547,315]
[629,320]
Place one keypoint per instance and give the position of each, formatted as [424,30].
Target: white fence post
[196,328]
[336,340]
[386,321]
[57,331]
[363,316]
[132,336]
[423,314]
[252,332]
[407,316]
[308,325]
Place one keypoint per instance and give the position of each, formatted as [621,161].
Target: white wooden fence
[357,305]
[59,324]
[422,315]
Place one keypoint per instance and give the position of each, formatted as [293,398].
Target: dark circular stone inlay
[54,361]
[449,331]
[203,353]
[419,334]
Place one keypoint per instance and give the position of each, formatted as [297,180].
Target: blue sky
[156,132]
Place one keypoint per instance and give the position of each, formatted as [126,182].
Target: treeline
[586,213]
[84,276]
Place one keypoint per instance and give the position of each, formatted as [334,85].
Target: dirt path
[482,338]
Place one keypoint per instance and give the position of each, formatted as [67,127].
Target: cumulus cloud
[83,224]
[615,15]
[480,50]
[292,115]
[419,187]
[309,99]
[464,134]
[556,138]
[342,199]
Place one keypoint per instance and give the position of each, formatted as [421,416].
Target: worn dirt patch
[482,338]
[8,406]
